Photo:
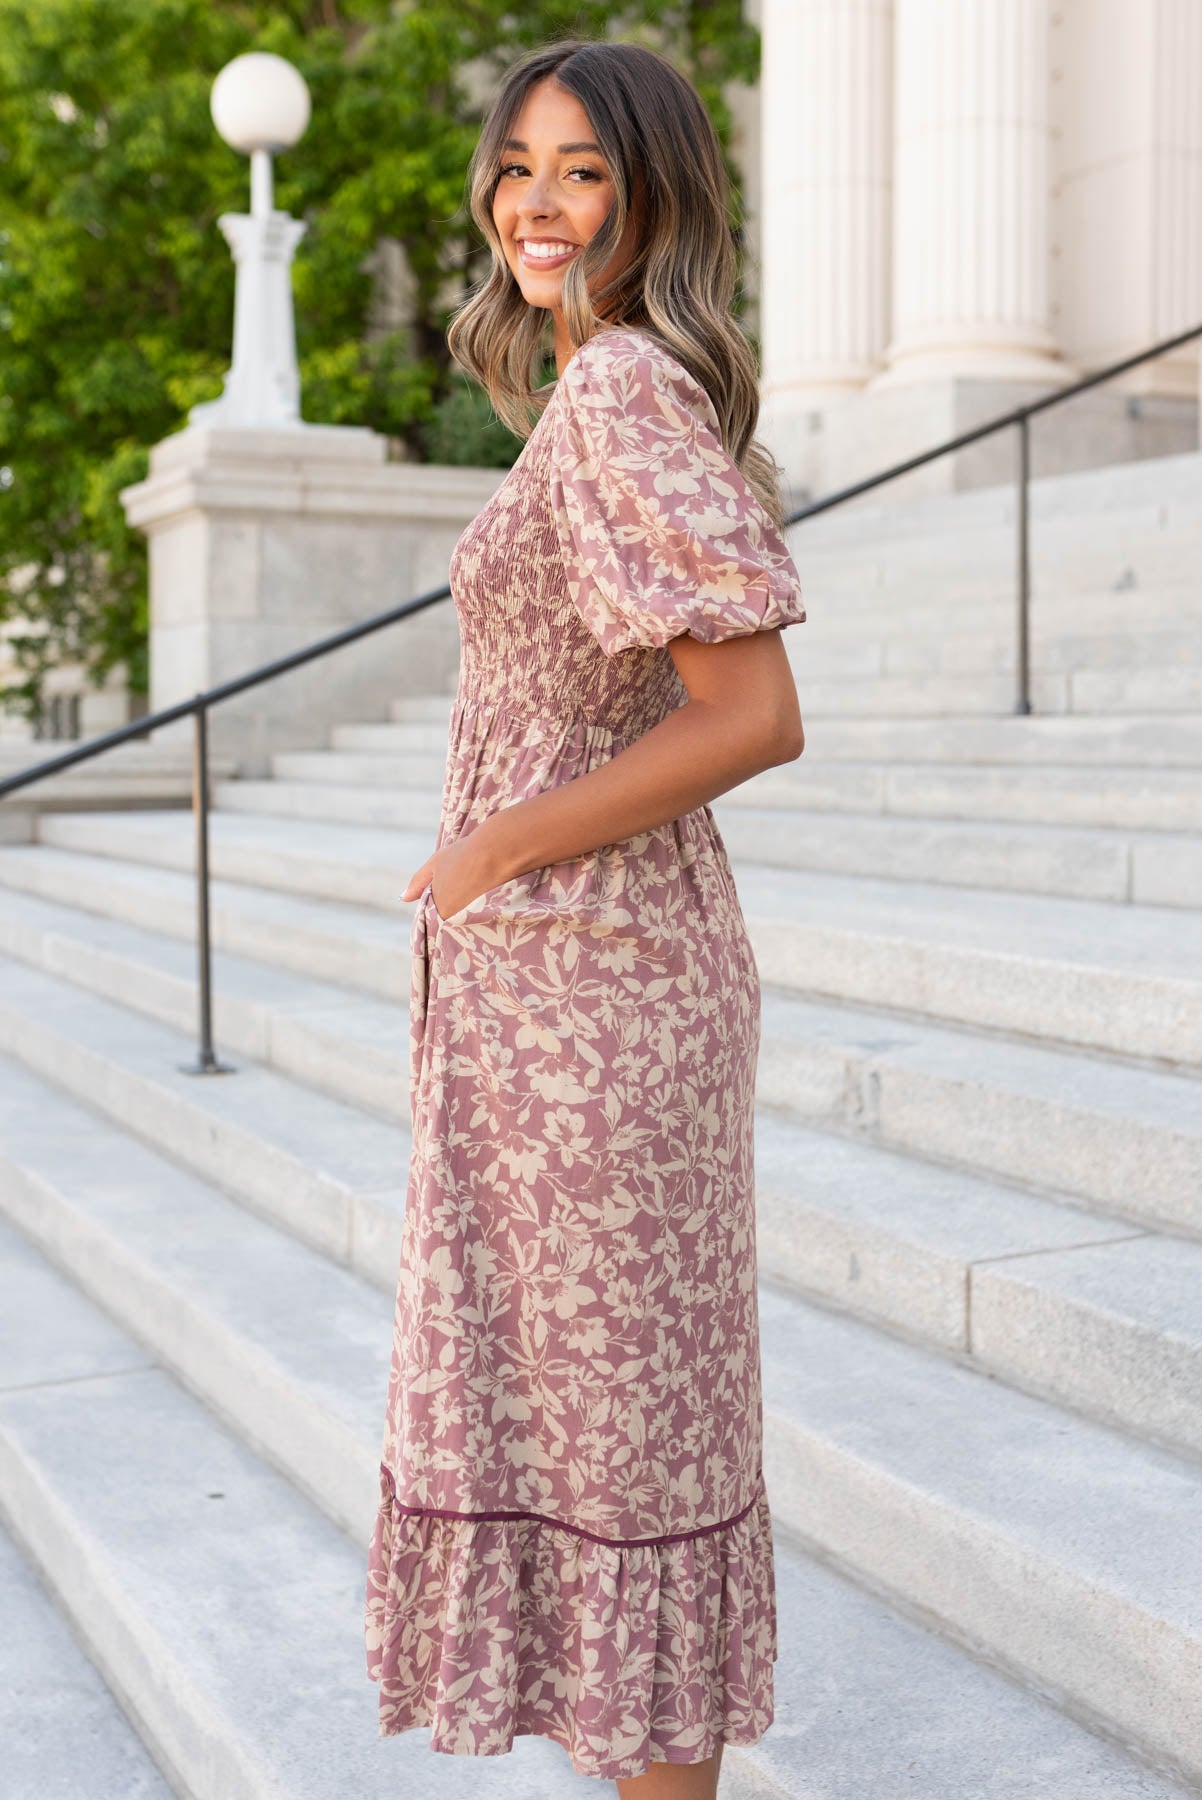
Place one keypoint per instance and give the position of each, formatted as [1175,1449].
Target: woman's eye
[521,169]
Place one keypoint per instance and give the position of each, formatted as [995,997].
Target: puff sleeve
[661,534]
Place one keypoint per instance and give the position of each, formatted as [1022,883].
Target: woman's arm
[741,716]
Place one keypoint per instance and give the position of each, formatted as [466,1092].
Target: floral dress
[573,1536]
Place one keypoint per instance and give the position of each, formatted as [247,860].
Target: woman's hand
[742,716]
[458,873]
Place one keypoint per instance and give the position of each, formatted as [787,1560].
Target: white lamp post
[260,104]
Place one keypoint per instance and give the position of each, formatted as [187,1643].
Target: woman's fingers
[417,881]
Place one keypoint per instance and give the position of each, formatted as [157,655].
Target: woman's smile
[546,253]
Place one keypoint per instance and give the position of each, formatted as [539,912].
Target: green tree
[116,289]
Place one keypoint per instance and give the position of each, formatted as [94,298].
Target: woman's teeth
[547,253]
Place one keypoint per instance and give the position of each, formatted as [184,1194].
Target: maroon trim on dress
[434,1512]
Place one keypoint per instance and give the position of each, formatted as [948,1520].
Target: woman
[573,1537]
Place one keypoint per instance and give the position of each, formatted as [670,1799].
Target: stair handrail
[207,1062]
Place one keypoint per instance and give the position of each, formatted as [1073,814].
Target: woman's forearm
[698,752]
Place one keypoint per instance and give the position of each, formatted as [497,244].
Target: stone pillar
[1127,213]
[264,541]
[262,387]
[970,266]
[1175,179]
[825,183]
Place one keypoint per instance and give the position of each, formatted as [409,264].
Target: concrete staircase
[979,1152]
[913,604]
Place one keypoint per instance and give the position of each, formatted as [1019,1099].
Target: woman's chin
[541,290]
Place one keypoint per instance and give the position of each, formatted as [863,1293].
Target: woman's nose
[536,202]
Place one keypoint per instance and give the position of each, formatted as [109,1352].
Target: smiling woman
[549,183]
[573,1536]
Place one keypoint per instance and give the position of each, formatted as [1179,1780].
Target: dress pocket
[495,902]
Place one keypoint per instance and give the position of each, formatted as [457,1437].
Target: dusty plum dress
[573,1536]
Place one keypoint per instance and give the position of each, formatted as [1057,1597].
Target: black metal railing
[207,1061]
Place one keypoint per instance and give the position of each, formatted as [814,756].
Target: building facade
[960,204]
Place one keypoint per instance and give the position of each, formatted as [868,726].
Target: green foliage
[116,288]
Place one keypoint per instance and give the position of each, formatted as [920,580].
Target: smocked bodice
[525,650]
[622,525]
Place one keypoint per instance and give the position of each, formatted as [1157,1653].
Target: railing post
[207,1062]
[1022,703]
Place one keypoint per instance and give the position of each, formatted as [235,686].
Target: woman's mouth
[547,254]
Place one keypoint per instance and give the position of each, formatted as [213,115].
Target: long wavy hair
[665,160]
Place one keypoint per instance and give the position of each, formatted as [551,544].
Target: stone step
[325,862]
[984,554]
[949,525]
[1054,1545]
[913,696]
[413,737]
[1086,863]
[1122,979]
[870,1703]
[114,1473]
[1059,856]
[1149,741]
[1124,1139]
[1130,742]
[845,649]
[346,1045]
[328,801]
[356,947]
[1151,497]
[1085,692]
[62,1730]
[1169,485]
[925,615]
[371,867]
[1057,1301]
[978,563]
[1176,690]
[286,1347]
[846,1220]
[423,707]
[421,770]
[132,774]
[1118,979]
[321,1169]
[1137,799]
[215,1598]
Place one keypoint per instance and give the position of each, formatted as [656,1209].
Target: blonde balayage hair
[666,162]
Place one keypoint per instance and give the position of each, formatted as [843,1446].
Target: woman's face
[553,192]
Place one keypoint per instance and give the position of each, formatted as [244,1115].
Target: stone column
[1127,214]
[970,263]
[1175,272]
[826,112]
[1174,300]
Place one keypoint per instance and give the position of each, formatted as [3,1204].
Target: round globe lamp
[260,105]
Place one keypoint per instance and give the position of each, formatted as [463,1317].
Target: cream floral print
[573,1537]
